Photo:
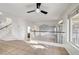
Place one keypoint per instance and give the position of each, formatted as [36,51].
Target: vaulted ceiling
[18,10]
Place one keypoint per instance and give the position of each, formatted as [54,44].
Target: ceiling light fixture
[37,10]
[60,22]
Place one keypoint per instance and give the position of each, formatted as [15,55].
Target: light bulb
[37,10]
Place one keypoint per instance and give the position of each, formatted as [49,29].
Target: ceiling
[18,10]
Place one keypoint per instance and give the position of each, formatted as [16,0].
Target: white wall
[16,31]
[19,30]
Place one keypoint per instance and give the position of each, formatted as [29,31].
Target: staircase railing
[5,26]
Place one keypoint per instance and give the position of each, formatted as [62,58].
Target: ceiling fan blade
[44,12]
[38,5]
[30,11]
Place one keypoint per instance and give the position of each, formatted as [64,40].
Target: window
[74,30]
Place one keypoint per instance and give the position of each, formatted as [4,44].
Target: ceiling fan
[38,9]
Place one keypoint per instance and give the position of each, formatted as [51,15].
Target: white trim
[74,46]
[69,49]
